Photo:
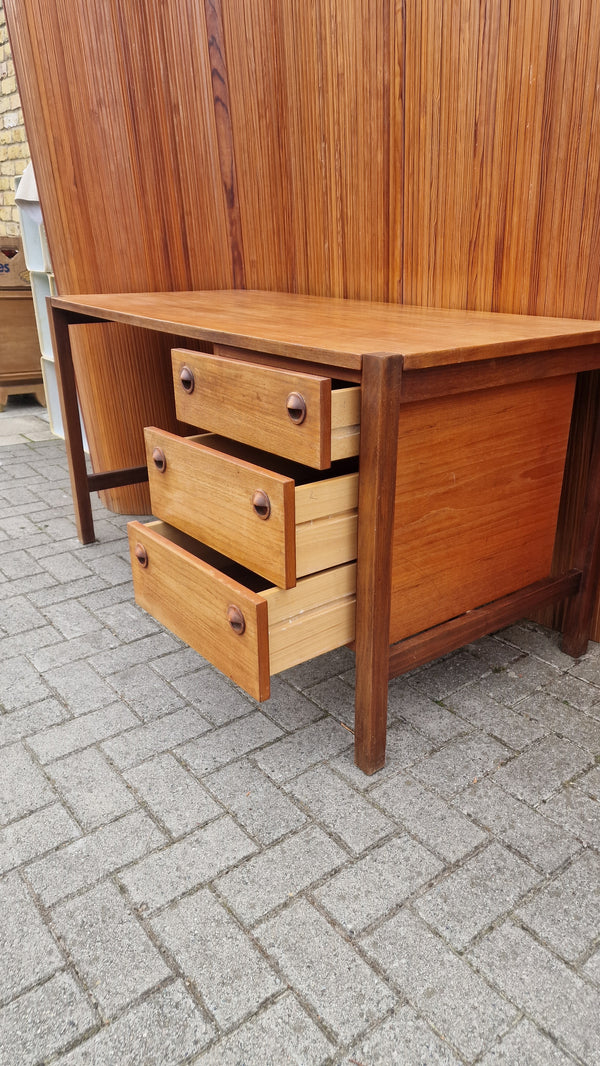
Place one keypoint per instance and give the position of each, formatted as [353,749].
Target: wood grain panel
[478,487]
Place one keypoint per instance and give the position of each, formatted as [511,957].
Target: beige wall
[14,152]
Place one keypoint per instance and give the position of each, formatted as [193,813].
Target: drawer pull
[159,459]
[296,408]
[186,378]
[236,619]
[261,504]
[141,555]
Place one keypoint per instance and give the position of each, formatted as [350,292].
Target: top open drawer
[298,416]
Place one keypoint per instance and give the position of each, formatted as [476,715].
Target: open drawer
[278,518]
[303,417]
[246,628]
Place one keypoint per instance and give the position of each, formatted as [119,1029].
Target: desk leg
[380,401]
[580,608]
[65,373]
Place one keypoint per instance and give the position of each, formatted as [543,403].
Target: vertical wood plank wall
[417,151]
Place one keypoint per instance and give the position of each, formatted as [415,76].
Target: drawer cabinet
[303,417]
[244,626]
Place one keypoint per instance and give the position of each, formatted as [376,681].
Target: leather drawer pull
[186,378]
[261,504]
[160,460]
[141,555]
[296,408]
[236,619]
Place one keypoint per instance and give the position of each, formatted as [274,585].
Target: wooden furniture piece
[20,366]
[457,424]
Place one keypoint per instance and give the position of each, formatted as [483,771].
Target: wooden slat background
[417,151]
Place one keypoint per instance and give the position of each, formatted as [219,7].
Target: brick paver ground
[189,877]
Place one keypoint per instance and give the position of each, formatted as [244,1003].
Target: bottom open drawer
[247,628]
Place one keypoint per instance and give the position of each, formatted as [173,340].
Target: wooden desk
[464,423]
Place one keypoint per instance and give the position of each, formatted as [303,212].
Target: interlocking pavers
[468,900]
[343,990]
[555,997]
[289,708]
[525,1044]
[80,687]
[19,615]
[440,984]
[460,763]
[262,809]
[577,813]
[279,873]
[340,809]
[217,698]
[229,742]
[173,794]
[282,1033]
[404,1039]
[77,733]
[23,960]
[141,743]
[211,950]
[565,913]
[44,1021]
[516,728]
[537,838]
[146,693]
[582,729]
[33,836]
[376,884]
[94,792]
[23,787]
[20,685]
[429,717]
[71,619]
[431,819]
[538,772]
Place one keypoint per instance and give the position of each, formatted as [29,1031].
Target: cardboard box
[13,272]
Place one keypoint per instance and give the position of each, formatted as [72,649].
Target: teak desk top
[335,331]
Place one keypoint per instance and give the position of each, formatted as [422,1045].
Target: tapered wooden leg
[380,400]
[580,608]
[65,373]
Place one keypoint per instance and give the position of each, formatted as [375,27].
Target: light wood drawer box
[303,417]
[282,523]
[246,628]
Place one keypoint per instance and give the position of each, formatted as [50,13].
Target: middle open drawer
[281,520]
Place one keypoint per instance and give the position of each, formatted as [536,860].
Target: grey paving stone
[404,1039]
[543,643]
[128,620]
[44,1021]
[494,651]
[18,564]
[24,960]
[155,737]
[538,772]
[538,839]
[444,676]
[145,692]
[566,912]
[518,680]
[277,874]
[404,747]
[112,567]
[341,809]
[92,789]
[377,883]
[80,687]
[87,860]
[30,720]
[19,614]
[442,986]
[49,592]
[426,816]
[319,668]
[229,742]
[575,692]
[460,763]
[469,899]
[325,970]
[23,787]
[550,993]
[289,708]
[263,810]
[27,644]
[581,728]
[139,651]
[211,950]
[19,685]
[166,1029]
[72,619]
[187,864]
[516,728]
[435,721]
[102,597]
[217,698]
[293,754]
[577,813]
[111,951]
[78,733]
[592,967]
[173,794]
[590,782]
[283,1033]
[68,651]
[178,664]
[35,835]
[65,566]
[335,696]
[526,1046]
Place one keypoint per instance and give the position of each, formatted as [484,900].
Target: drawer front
[243,511]
[277,410]
[257,516]
[247,635]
